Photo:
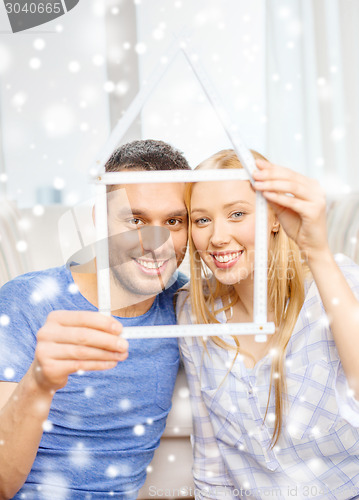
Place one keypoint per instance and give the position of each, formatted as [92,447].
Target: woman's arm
[303,217]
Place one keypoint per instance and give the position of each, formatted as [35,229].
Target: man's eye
[134,221]
[173,222]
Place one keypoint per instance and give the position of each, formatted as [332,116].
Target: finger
[89,319]
[82,336]
[271,171]
[284,186]
[86,366]
[80,353]
[286,201]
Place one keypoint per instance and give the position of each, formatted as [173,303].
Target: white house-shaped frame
[260,326]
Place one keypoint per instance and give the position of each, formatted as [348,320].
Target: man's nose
[151,238]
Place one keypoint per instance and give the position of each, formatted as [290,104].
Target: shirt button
[250,391]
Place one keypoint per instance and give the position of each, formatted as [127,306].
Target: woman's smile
[226,260]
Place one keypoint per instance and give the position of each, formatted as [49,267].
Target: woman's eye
[237,215]
[201,221]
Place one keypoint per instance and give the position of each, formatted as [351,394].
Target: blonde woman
[277,419]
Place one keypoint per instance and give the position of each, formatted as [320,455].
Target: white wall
[229,37]
[54,120]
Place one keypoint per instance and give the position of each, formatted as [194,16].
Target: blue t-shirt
[103,426]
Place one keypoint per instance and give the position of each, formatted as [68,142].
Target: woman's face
[223,228]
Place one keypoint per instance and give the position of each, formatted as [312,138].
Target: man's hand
[76,340]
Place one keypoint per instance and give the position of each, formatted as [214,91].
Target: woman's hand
[299,204]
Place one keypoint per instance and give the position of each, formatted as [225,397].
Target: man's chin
[144,284]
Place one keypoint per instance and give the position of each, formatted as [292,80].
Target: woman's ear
[93,215]
[276,226]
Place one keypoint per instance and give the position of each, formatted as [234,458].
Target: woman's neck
[245,293]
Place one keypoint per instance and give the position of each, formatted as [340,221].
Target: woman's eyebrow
[237,202]
[227,205]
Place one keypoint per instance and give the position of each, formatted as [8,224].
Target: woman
[274,419]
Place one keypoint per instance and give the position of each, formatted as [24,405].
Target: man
[75,423]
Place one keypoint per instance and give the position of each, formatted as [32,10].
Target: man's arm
[69,341]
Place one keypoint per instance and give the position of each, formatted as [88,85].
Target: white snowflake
[73,288]
[35,63]
[54,485]
[125,404]
[39,44]
[98,60]
[5,59]
[74,67]
[58,120]
[139,430]
[141,48]
[122,87]
[47,289]
[19,99]
[271,417]
[158,34]
[9,373]
[338,134]
[21,246]
[47,426]
[4,320]
[109,87]
[183,392]
[59,183]
[79,456]
[89,392]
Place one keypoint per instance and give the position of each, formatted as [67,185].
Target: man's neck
[87,285]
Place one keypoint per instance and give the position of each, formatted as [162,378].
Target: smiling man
[82,410]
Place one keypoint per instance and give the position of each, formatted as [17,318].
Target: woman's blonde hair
[286,275]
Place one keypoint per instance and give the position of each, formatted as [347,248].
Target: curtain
[312,89]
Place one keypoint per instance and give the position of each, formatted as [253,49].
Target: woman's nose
[220,235]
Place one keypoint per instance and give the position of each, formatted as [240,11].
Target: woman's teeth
[150,265]
[228,257]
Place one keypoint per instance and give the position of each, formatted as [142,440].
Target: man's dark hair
[147,155]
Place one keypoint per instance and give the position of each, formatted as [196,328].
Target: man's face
[147,235]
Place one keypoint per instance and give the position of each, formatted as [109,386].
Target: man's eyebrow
[143,213]
[227,205]
[178,213]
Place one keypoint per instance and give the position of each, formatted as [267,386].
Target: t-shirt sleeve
[17,335]
[183,308]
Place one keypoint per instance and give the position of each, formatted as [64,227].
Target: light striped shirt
[317,455]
